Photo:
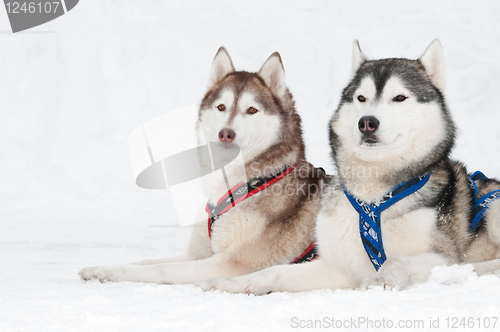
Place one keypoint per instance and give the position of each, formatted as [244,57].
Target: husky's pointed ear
[221,66]
[358,57]
[433,61]
[273,74]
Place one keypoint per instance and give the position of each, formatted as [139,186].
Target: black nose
[368,124]
[227,135]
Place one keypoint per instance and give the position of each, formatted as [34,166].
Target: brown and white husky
[273,223]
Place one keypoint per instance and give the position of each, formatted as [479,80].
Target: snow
[73,89]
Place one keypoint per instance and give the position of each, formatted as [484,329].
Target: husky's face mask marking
[380,119]
[244,108]
[391,106]
[238,117]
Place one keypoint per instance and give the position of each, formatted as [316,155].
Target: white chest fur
[237,228]
[403,233]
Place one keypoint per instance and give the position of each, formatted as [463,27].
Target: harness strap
[310,254]
[370,220]
[482,203]
[239,193]
[242,191]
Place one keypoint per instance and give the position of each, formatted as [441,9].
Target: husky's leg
[198,248]
[493,228]
[493,222]
[167,273]
[401,272]
[488,267]
[291,278]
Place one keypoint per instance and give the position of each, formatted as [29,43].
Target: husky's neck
[369,181]
[265,165]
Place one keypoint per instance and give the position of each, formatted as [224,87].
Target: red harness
[242,191]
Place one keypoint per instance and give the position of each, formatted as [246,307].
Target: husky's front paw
[392,275]
[88,273]
[235,285]
[106,273]
[386,281]
[210,284]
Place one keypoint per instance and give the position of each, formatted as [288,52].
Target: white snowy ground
[73,89]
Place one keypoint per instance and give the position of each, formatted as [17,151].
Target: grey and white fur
[392,125]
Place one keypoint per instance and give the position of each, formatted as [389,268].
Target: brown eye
[399,98]
[252,110]
[361,98]
[221,107]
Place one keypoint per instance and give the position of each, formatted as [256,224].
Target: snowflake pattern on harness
[254,183]
[490,199]
[370,228]
[366,208]
[384,199]
[482,203]
[241,191]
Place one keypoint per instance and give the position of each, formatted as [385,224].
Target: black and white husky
[402,206]
[269,219]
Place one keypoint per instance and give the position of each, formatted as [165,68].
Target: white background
[73,89]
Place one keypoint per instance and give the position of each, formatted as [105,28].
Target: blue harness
[481,203]
[369,216]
